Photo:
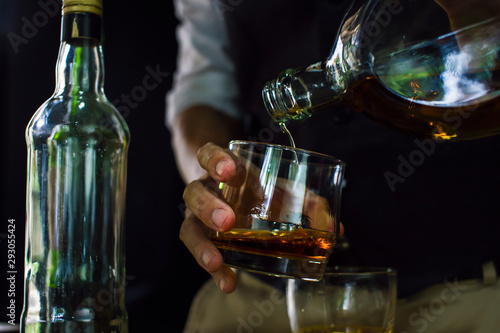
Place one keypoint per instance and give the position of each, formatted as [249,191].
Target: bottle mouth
[271,96]
[82,6]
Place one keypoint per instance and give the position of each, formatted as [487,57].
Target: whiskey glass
[347,299]
[286,203]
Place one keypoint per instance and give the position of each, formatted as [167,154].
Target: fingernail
[219,217]
[207,258]
[222,283]
[221,166]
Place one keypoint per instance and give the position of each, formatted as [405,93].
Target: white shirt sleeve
[205,72]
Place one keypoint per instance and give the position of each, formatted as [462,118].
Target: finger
[195,237]
[201,199]
[225,279]
[218,163]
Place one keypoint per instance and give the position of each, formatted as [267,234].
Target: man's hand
[206,210]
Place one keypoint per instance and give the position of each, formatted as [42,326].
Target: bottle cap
[82,6]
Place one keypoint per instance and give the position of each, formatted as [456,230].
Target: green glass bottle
[424,68]
[76,180]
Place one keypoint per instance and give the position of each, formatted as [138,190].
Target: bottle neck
[298,93]
[80,65]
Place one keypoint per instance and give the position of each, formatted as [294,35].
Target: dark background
[162,275]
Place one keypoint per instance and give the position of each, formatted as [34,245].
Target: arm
[193,128]
[202,105]
[201,108]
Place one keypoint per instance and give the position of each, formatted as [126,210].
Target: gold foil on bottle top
[74,30]
[82,6]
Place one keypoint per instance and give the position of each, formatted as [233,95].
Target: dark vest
[441,216]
